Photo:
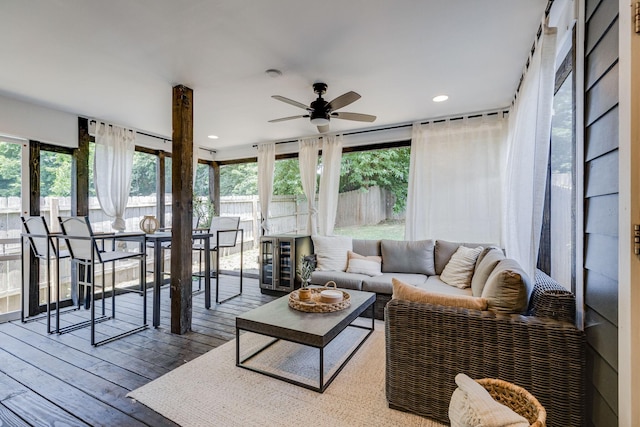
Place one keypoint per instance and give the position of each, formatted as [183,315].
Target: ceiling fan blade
[354,116]
[343,100]
[323,129]
[288,118]
[291,102]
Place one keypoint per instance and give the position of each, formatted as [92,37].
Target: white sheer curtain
[266,166]
[455,177]
[308,162]
[329,183]
[112,165]
[529,137]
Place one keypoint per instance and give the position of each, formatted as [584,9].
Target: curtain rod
[547,10]
[133,130]
[405,125]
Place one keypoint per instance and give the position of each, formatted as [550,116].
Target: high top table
[277,320]
[160,237]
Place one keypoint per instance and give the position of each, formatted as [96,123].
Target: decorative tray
[316,301]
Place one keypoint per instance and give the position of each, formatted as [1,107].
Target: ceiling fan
[321,111]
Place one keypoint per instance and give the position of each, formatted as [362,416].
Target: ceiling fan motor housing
[320,109]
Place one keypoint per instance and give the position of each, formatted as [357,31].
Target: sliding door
[12,163]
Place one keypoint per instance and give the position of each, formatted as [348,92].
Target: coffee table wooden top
[278,320]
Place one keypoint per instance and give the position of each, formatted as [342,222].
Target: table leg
[207,272]
[157,275]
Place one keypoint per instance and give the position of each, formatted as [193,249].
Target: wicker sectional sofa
[538,348]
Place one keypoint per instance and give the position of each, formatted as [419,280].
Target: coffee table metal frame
[281,322]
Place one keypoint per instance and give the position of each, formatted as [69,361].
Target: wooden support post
[214,187]
[33,304]
[182,209]
[80,171]
[79,189]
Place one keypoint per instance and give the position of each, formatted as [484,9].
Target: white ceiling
[117,60]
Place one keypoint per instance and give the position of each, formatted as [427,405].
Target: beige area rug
[212,391]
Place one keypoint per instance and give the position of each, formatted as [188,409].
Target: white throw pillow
[369,265]
[459,270]
[472,406]
[331,252]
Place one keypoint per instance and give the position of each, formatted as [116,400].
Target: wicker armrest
[550,299]
[427,345]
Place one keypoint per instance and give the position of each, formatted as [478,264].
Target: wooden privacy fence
[288,213]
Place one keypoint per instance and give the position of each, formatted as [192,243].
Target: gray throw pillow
[402,256]
[508,288]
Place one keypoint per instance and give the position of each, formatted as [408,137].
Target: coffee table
[281,322]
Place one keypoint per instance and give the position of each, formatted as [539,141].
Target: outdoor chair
[88,249]
[224,234]
[41,242]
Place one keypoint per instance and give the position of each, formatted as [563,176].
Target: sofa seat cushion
[508,288]
[406,292]
[403,256]
[434,284]
[342,279]
[383,285]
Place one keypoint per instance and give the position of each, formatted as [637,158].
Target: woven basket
[315,305]
[516,398]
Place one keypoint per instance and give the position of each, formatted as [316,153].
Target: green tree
[10,167]
[388,169]
[143,174]
[286,178]
[55,174]
[239,179]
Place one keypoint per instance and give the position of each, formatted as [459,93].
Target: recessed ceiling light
[440,98]
[212,136]
[272,72]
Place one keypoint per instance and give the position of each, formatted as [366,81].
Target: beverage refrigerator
[280,257]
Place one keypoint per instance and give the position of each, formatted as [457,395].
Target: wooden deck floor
[63,380]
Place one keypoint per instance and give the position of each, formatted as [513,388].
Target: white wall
[30,121]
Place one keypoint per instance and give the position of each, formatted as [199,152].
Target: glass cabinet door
[266,262]
[286,265]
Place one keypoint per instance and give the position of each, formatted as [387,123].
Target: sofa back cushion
[444,250]
[487,261]
[367,247]
[402,256]
[331,252]
[508,288]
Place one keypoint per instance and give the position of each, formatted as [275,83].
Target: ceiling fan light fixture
[319,121]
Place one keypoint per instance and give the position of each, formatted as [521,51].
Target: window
[557,246]
[373,193]
[239,197]
[10,227]
[288,205]
[168,194]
